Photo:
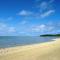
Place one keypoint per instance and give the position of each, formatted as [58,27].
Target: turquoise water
[10,41]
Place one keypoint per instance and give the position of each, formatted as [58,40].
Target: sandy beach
[42,51]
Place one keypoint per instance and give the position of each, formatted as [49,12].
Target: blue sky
[29,17]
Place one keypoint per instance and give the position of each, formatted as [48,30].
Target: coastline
[31,52]
[4,51]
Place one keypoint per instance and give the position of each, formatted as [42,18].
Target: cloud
[47,13]
[30,29]
[25,13]
[11,29]
[42,28]
[44,8]
[6,29]
[6,19]
[38,28]
[23,22]
[43,5]
[9,18]
[2,26]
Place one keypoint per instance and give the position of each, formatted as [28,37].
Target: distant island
[46,35]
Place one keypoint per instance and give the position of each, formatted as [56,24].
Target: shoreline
[42,51]
[10,50]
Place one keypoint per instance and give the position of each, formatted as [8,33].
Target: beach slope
[44,51]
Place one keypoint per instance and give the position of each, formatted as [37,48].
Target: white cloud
[43,5]
[11,29]
[45,8]
[6,19]
[2,26]
[5,28]
[22,32]
[47,13]
[38,28]
[10,18]
[42,28]
[25,13]
[23,22]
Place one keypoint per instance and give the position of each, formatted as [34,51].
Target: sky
[29,17]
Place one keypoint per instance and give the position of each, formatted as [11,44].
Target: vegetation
[45,35]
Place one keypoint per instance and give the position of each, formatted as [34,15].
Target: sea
[12,41]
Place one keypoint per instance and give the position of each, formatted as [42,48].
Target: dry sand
[44,51]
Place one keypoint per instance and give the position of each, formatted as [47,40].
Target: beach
[42,51]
